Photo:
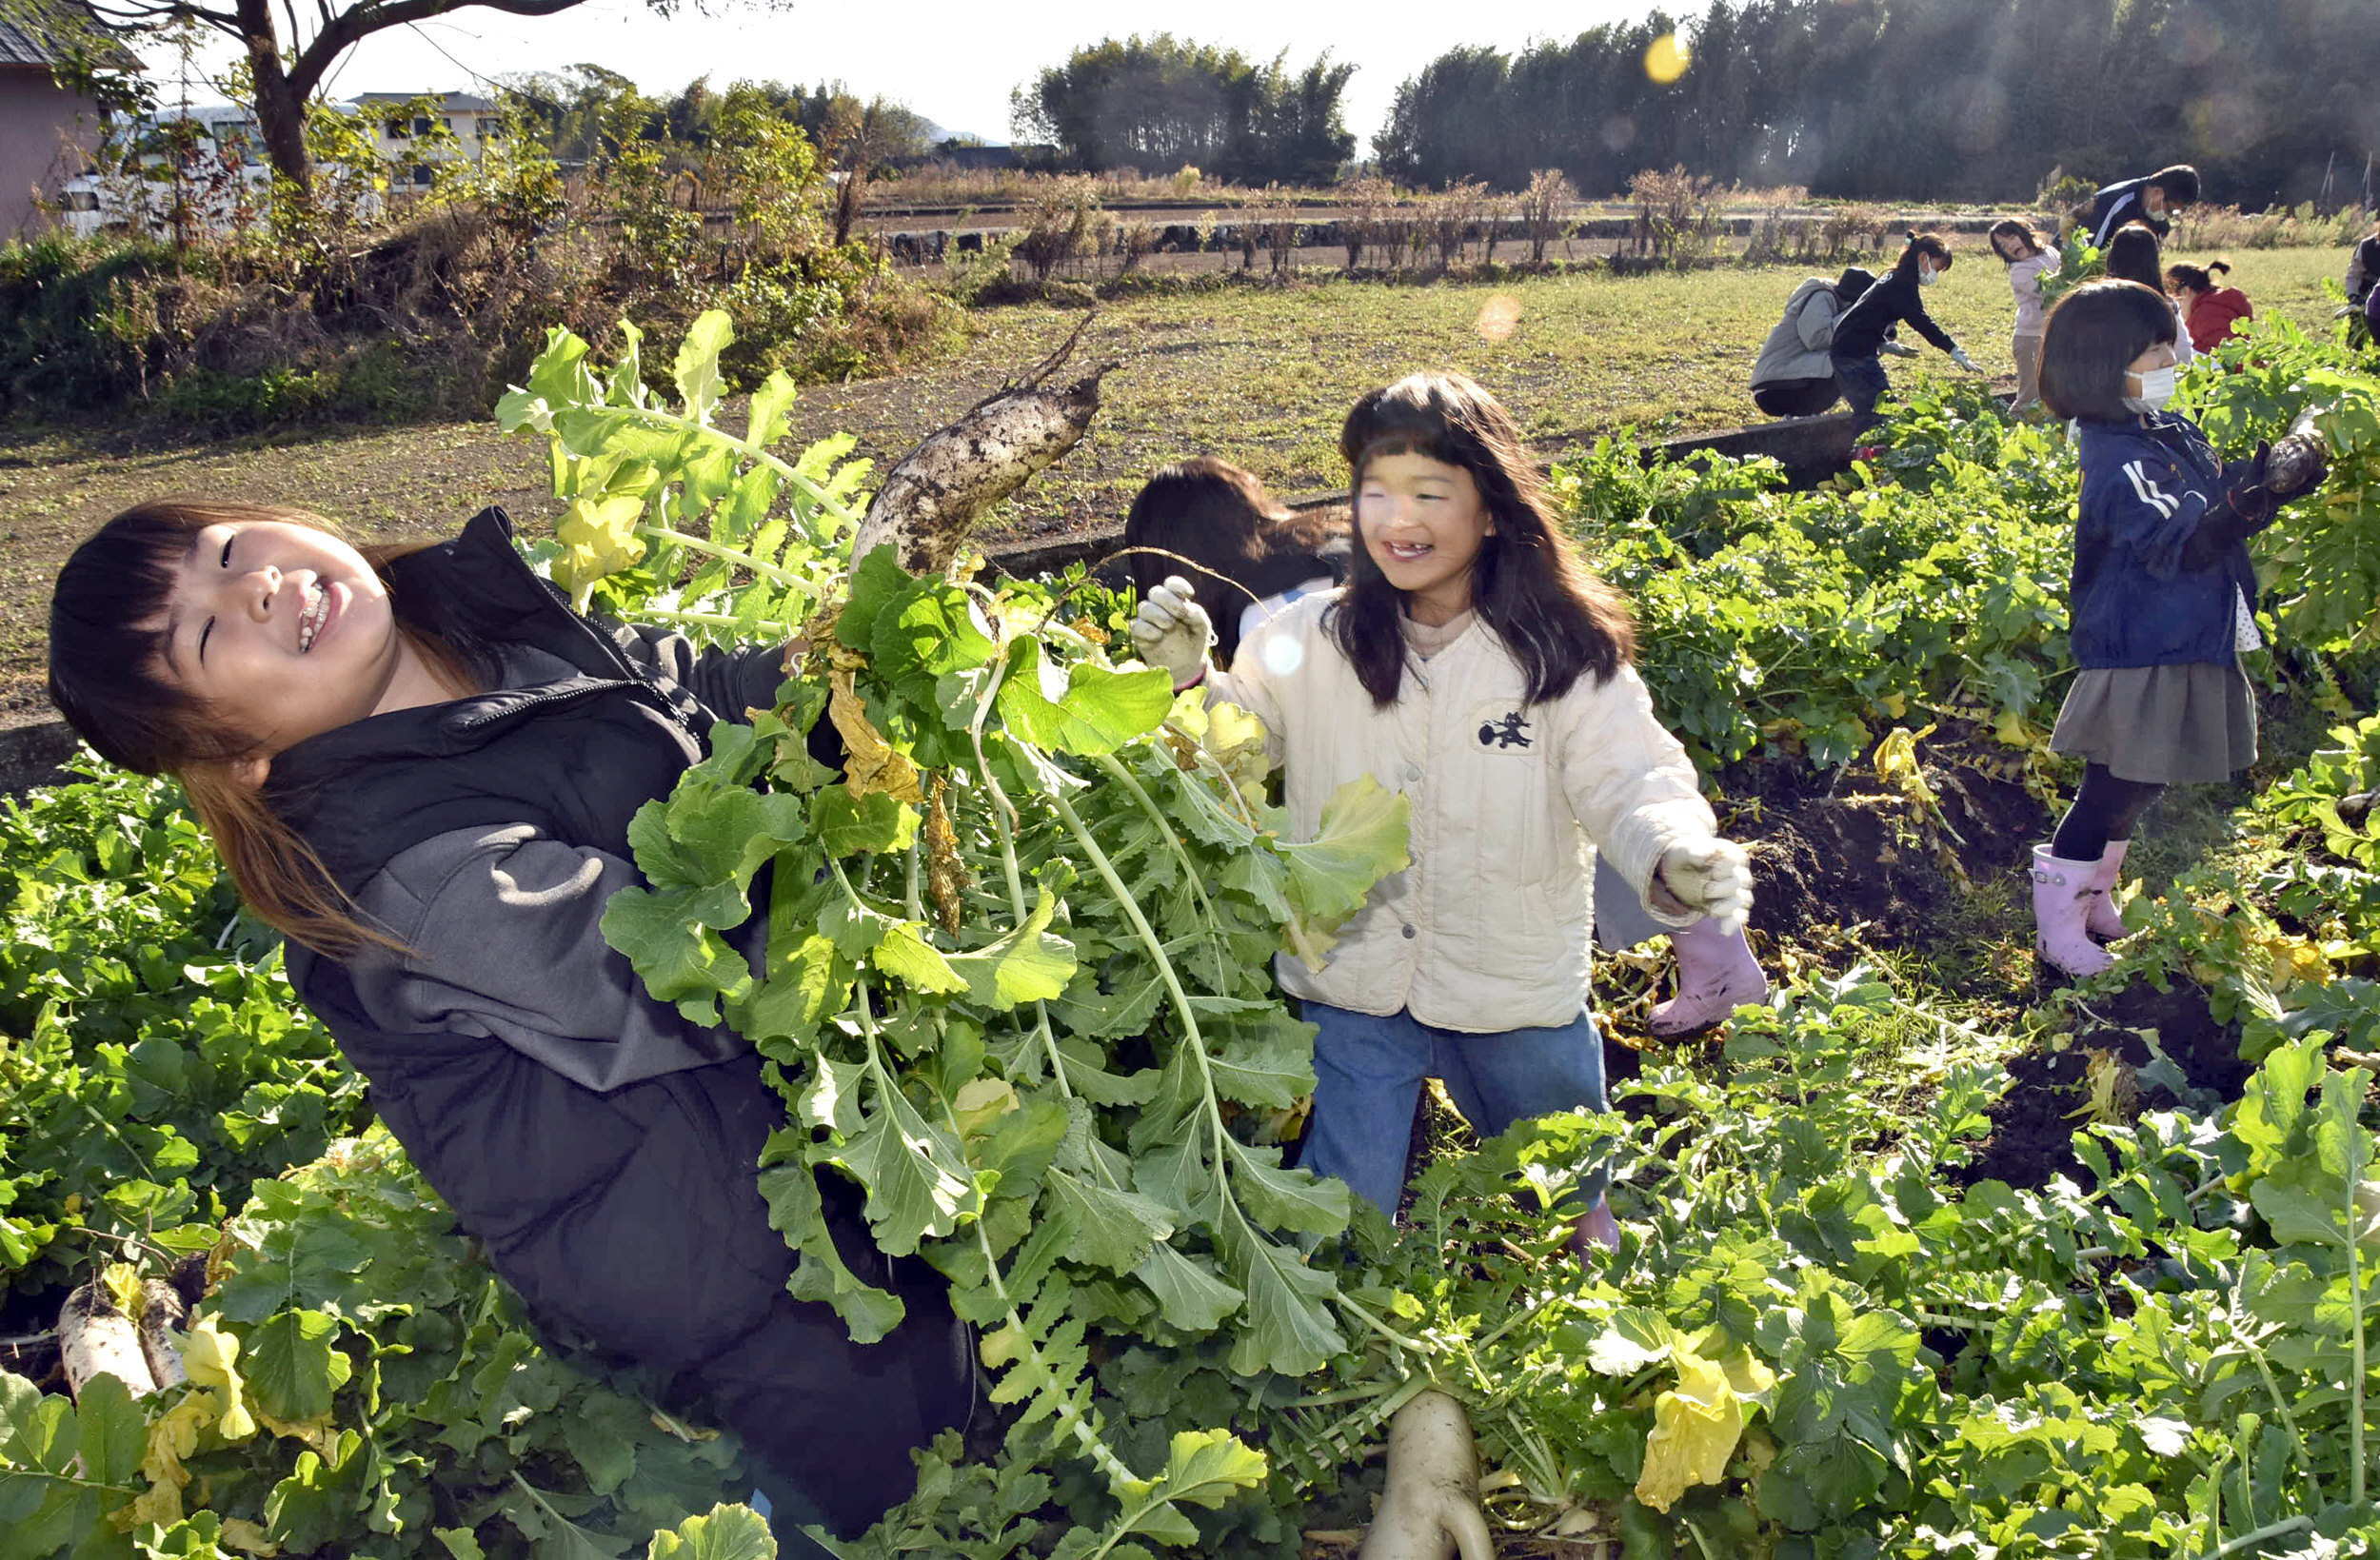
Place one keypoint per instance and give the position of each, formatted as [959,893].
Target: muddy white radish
[96,1338]
[932,497]
[1431,1507]
[164,1314]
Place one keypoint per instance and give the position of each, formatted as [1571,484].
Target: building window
[420,125]
[396,129]
[487,128]
[420,173]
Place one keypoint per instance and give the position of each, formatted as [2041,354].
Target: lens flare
[1667,59]
[1498,318]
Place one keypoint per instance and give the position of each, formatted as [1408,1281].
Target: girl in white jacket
[1473,663]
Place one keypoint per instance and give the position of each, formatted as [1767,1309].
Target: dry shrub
[1451,216]
[1544,207]
[1677,212]
[1062,221]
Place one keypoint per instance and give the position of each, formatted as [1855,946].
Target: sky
[953,62]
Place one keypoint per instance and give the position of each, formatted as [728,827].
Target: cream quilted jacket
[1488,930]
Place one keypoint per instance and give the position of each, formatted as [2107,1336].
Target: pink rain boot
[1717,975]
[2103,920]
[2061,893]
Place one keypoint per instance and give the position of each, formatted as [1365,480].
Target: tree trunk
[280,106]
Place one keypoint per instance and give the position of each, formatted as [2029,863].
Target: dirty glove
[1710,876]
[1898,350]
[2295,466]
[1958,355]
[1171,630]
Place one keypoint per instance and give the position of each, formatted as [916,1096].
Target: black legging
[2105,810]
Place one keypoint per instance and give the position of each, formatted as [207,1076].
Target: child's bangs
[1396,424]
[107,635]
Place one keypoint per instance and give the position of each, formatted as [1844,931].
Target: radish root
[934,495]
[96,1338]
[1431,1508]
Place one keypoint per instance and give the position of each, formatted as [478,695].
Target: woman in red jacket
[2214,312]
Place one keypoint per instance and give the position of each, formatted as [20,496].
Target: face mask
[2156,389]
[1927,276]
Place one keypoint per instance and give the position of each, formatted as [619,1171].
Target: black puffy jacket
[629,1217]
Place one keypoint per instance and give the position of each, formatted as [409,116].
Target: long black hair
[107,677]
[1527,582]
[2133,255]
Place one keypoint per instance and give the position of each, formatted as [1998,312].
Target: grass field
[1259,376]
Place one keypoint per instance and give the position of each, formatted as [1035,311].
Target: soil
[1855,868]
[1859,855]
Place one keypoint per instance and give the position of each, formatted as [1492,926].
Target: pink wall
[35,117]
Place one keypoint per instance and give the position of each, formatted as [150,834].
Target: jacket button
[1408,931]
[1412,771]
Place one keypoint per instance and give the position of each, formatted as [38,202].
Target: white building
[224,181]
[411,130]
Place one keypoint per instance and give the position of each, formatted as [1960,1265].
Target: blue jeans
[1863,382]
[1368,1072]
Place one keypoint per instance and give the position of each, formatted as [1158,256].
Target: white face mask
[2156,389]
[1927,276]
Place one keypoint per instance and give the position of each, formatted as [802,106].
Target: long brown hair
[107,676]
[1223,521]
[1558,619]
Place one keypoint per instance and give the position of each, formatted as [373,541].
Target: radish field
[1923,1259]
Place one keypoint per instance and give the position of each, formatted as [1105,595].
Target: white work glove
[1898,350]
[1958,355]
[1712,876]
[1171,630]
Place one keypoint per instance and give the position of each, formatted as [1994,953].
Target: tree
[1162,104]
[289,52]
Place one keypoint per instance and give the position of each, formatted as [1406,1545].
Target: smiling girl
[1474,663]
[421,767]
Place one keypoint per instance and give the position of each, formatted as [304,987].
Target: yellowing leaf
[1897,765]
[1695,1425]
[599,538]
[172,1437]
[976,1105]
[872,763]
[247,1537]
[211,1357]
[317,1432]
[123,1283]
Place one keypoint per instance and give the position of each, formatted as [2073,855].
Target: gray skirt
[2186,724]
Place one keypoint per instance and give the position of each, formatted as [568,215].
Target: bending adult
[1859,334]
[1793,375]
[2144,199]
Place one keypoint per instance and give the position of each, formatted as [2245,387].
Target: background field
[1259,376]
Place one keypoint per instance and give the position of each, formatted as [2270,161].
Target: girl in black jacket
[1859,334]
[421,767]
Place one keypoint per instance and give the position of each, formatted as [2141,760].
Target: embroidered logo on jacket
[1506,731]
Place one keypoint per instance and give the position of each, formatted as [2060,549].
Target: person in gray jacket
[1795,375]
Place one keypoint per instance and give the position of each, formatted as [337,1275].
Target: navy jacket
[619,1195]
[2118,204]
[2147,487]
[1892,300]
